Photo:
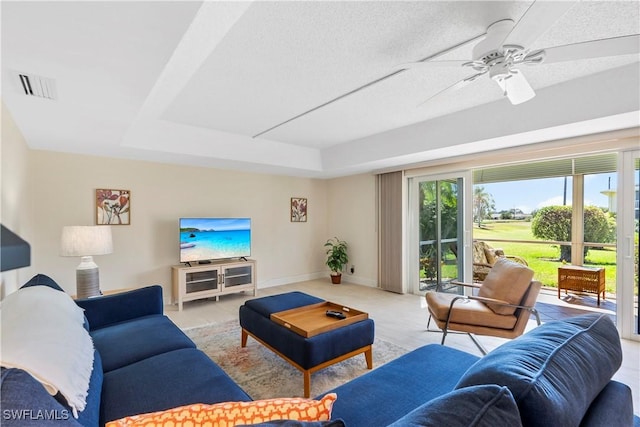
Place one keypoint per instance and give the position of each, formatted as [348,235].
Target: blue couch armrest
[613,407]
[26,403]
[110,309]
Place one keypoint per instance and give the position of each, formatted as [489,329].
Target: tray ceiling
[299,88]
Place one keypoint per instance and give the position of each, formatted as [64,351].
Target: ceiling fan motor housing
[500,71]
[490,48]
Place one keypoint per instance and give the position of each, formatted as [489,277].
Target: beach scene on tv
[214,238]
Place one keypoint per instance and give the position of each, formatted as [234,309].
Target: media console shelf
[212,280]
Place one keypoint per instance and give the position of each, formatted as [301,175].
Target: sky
[218,224]
[537,193]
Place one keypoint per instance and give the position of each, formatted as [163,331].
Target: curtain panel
[391,231]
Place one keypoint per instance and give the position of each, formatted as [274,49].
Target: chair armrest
[110,309]
[613,406]
[491,300]
[469,285]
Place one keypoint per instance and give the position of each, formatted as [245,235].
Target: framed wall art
[298,209]
[113,207]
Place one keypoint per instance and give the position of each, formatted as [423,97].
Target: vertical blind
[390,187]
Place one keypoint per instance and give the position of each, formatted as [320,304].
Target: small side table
[581,279]
[109,292]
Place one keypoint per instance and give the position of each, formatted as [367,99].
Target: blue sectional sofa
[143,363]
[559,374]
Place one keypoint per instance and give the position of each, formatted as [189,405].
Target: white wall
[15,208]
[160,194]
[352,217]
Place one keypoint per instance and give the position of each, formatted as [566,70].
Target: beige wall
[352,217]
[160,194]
[15,208]
[43,191]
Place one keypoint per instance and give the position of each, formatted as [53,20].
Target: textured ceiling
[302,88]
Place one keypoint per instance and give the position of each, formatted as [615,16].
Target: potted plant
[336,257]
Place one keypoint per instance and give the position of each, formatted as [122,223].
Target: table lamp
[86,241]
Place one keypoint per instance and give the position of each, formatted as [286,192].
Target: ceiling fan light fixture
[515,87]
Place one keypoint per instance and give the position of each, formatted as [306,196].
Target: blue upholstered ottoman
[306,354]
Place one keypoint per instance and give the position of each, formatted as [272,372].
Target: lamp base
[87,278]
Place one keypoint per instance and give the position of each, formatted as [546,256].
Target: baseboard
[290,279]
[346,278]
[357,280]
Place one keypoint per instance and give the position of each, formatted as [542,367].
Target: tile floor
[402,319]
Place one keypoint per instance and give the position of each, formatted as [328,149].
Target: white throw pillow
[43,334]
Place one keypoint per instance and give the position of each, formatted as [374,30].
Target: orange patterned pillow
[228,414]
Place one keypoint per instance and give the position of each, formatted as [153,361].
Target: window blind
[547,169]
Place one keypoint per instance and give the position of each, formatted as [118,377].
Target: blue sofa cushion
[281,302]
[391,391]
[90,416]
[25,402]
[475,406]
[165,381]
[294,423]
[556,370]
[128,342]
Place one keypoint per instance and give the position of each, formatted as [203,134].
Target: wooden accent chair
[501,308]
[484,257]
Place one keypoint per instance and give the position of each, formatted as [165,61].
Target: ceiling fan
[504,51]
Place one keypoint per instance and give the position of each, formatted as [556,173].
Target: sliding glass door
[437,229]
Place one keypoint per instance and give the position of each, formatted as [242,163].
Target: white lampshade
[80,240]
[86,241]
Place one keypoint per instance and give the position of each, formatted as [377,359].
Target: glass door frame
[626,280]
[412,272]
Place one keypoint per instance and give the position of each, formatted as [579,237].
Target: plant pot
[335,279]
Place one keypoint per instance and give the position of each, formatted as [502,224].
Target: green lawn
[543,259]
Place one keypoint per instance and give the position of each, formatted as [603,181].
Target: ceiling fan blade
[431,64]
[615,46]
[540,16]
[456,86]
[516,88]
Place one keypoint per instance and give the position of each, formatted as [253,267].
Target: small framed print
[298,209]
[113,207]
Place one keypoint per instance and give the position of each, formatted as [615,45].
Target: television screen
[204,239]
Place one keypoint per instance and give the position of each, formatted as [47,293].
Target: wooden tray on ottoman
[311,320]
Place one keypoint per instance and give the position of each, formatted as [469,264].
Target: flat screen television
[206,239]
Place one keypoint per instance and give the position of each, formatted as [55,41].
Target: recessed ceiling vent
[40,87]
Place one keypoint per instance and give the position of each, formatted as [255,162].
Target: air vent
[40,87]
